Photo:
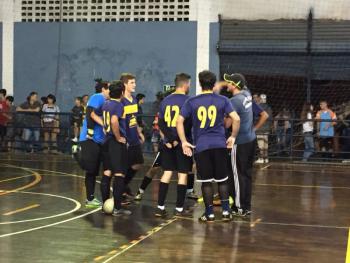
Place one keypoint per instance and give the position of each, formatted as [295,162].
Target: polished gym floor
[301,213]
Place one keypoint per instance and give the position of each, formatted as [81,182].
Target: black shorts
[326,142]
[91,156]
[157,160]
[175,160]
[212,165]
[117,156]
[135,155]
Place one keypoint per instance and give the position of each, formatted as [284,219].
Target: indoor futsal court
[300,215]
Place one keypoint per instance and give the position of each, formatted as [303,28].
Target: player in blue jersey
[91,139]
[172,157]
[243,152]
[207,112]
[134,136]
[115,145]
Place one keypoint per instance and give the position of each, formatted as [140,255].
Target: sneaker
[138,196]
[248,212]
[200,200]
[238,212]
[75,140]
[207,218]
[192,195]
[266,161]
[160,213]
[226,216]
[231,201]
[121,212]
[125,200]
[259,161]
[183,213]
[93,203]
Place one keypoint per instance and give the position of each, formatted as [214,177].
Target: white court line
[265,167]
[77,207]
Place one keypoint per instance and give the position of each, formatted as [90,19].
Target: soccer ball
[108,206]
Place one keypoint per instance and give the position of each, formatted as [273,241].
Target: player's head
[103,88]
[3,93]
[256,98]
[140,98]
[207,80]
[85,99]
[78,101]
[263,98]
[51,99]
[323,105]
[116,89]
[9,100]
[235,82]
[129,81]
[183,81]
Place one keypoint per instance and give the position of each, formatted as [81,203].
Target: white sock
[225,213]
[141,191]
[161,207]
[189,191]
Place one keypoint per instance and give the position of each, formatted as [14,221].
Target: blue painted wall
[154,52]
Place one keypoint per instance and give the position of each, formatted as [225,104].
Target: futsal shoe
[226,216]
[266,161]
[183,213]
[138,196]
[93,203]
[259,161]
[121,212]
[207,218]
[238,212]
[192,195]
[160,213]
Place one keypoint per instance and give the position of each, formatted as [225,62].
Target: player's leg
[107,155]
[248,171]
[147,179]
[238,183]
[135,161]
[205,168]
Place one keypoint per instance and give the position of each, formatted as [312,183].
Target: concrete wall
[155,52]
[214,62]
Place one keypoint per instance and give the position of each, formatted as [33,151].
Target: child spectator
[11,132]
[77,117]
[3,117]
[50,124]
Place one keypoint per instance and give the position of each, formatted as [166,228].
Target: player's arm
[236,122]
[141,136]
[166,130]
[263,116]
[180,127]
[91,119]
[115,129]
[318,117]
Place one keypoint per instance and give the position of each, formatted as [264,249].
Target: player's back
[207,112]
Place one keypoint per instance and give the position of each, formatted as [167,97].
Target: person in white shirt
[308,130]
[50,124]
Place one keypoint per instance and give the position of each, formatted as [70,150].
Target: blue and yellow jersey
[130,113]
[112,108]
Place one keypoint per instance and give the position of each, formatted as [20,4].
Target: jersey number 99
[205,114]
[169,119]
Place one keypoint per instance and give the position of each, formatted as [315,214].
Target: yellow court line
[15,178]
[21,209]
[347,260]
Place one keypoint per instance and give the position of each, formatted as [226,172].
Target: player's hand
[175,143]
[187,148]
[122,140]
[230,142]
[169,145]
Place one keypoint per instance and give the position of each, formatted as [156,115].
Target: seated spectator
[11,131]
[50,124]
[31,121]
[77,117]
[326,128]
[4,109]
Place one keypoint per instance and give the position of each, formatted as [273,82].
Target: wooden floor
[301,213]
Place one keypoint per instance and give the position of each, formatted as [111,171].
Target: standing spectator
[3,117]
[140,101]
[325,128]
[155,134]
[156,103]
[31,121]
[50,124]
[308,130]
[282,128]
[264,131]
[85,99]
[77,117]
[11,131]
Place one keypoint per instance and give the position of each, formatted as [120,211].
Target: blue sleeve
[96,102]
[228,106]
[186,110]
[235,103]
[257,110]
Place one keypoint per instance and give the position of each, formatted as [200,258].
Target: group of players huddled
[216,133]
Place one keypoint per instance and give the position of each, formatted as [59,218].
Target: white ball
[108,206]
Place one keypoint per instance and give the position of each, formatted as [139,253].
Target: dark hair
[125,77]
[10,98]
[140,96]
[207,80]
[101,85]
[52,97]
[305,110]
[79,99]
[3,92]
[31,95]
[181,78]
[116,89]
[85,95]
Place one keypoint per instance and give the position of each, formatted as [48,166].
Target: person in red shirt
[3,117]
